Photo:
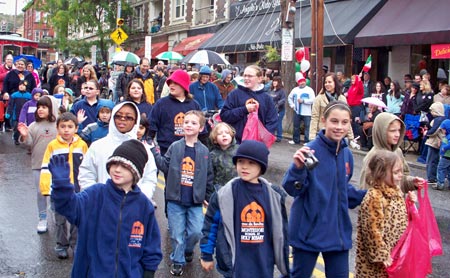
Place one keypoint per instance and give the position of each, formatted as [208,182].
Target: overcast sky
[9,6]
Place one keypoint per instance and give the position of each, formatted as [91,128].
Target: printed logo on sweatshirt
[178,124]
[137,234]
[61,82]
[187,171]
[252,223]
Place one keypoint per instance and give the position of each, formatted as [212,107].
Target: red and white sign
[440,51]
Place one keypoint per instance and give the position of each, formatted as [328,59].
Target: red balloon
[299,55]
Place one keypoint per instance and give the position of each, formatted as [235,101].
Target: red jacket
[355,93]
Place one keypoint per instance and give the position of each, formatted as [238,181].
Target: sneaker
[292,142]
[42,226]
[189,256]
[440,186]
[61,253]
[176,269]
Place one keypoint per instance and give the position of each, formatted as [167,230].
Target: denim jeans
[443,170]
[185,225]
[280,124]
[432,163]
[298,119]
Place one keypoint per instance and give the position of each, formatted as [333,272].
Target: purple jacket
[27,112]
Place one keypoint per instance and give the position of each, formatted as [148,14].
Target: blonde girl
[382,217]
[223,149]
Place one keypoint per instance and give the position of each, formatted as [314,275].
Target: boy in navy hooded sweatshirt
[118,235]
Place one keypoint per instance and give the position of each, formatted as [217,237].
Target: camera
[310,161]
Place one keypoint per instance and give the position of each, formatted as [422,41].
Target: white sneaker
[291,142]
[42,226]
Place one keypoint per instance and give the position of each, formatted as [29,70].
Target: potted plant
[271,58]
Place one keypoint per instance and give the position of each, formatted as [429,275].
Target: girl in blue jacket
[319,220]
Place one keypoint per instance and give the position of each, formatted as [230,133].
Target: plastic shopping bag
[255,130]
[411,257]
[428,220]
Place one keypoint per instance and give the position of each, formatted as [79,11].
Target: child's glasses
[124,118]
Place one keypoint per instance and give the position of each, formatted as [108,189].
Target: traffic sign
[119,36]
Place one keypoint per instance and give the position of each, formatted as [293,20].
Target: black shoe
[61,253]
[176,269]
[16,142]
[189,257]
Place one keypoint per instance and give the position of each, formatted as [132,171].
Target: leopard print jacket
[382,220]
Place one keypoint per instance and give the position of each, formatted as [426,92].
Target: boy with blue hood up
[94,131]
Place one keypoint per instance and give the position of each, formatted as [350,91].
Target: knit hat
[225,74]
[437,109]
[69,91]
[299,77]
[131,154]
[416,86]
[253,150]
[181,78]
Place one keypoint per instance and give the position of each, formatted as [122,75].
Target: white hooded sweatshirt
[93,168]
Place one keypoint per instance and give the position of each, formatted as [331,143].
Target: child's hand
[419,182]
[208,266]
[23,129]
[412,196]
[81,116]
[300,156]
[388,262]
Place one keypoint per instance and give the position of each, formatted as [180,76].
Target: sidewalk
[281,153]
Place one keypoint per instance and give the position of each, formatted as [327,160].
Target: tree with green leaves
[94,18]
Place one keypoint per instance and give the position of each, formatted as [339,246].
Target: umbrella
[125,58]
[30,58]
[170,55]
[73,61]
[375,101]
[206,57]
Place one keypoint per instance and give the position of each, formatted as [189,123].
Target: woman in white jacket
[123,126]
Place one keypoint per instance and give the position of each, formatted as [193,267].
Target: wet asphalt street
[24,253]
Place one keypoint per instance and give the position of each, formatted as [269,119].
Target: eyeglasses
[249,76]
[89,88]
[124,118]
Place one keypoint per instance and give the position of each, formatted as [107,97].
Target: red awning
[190,44]
[412,22]
[157,48]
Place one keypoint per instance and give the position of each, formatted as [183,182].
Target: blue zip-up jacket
[207,95]
[91,111]
[94,131]
[170,165]
[118,235]
[16,102]
[218,228]
[319,219]
[235,113]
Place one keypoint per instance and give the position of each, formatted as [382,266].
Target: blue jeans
[432,163]
[336,263]
[280,124]
[443,170]
[185,225]
[298,119]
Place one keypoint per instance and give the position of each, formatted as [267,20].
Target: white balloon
[304,66]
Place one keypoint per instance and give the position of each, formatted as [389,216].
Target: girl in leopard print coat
[382,216]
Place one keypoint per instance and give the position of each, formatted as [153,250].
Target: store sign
[253,8]
[440,51]
[287,42]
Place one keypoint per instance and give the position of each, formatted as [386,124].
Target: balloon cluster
[302,65]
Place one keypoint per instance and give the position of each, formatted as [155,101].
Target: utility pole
[316,45]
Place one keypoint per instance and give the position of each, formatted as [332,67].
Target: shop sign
[440,51]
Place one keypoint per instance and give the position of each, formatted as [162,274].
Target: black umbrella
[206,57]
[73,61]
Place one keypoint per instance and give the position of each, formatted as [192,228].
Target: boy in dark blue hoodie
[122,238]
[246,221]
[16,102]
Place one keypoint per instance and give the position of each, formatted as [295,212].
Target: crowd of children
[99,164]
